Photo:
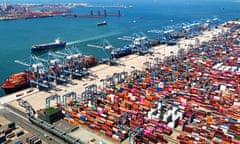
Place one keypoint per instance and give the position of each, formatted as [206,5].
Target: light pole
[83,96]
[102,80]
[164,50]
[158,58]
[123,64]
[95,78]
[150,63]
[132,72]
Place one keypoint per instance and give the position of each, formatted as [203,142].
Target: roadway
[22,121]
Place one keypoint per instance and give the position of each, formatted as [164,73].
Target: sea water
[17,36]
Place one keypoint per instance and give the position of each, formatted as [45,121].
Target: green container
[102,131]
[11,125]
[236,136]
[94,108]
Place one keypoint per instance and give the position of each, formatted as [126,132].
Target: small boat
[102,23]
[57,44]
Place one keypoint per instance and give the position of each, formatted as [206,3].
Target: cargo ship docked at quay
[140,45]
[47,46]
[87,61]
[16,82]
[22,80]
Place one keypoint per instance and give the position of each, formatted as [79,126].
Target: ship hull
[102,23]
[20,81]
[48,47]
[15,89]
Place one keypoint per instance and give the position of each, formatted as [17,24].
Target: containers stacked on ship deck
[59,67]
[197,92]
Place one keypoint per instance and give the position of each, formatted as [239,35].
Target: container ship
[57,44]
[16,82]
[21,80]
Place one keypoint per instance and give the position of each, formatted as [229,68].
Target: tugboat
[102,23]
[57,44]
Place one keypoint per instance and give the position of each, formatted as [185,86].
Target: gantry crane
[108,50]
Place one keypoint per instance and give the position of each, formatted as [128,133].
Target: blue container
[82,118]
[17,142]
[121,89]
[117,134]
[2,138]
[91,126]
[67,115]
[158,89]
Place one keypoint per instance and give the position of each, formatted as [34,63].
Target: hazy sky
[118,1]
[112,1]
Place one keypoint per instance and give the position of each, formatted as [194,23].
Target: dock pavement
[37,98]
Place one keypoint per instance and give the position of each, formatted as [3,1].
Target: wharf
[129,63]
[132,62]
[37,98]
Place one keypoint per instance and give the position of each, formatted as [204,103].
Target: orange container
[150,98]
[146,103]
[125,93]
[109,122]
[126,98]
[81,122]
[235,141]
[122,105]
[73,122]
[135,106]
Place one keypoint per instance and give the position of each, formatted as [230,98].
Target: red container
[109,133]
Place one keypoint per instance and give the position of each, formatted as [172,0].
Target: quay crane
[140,43]
[77,63]
[71,64]
[37,70]
[47,71]
[38,73]
[170,34]
[109,51]
[56,68]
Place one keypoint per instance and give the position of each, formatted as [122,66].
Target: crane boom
[22,63]
[95,46]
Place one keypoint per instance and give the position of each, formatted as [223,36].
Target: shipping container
[10,135]
[11,125]
[19,133]
[17,142]
[2,138]
[196,91]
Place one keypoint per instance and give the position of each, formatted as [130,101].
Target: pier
[164,96]
[93,15]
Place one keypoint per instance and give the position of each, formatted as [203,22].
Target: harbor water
[18,36]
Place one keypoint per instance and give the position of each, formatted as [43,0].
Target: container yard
[187,92]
